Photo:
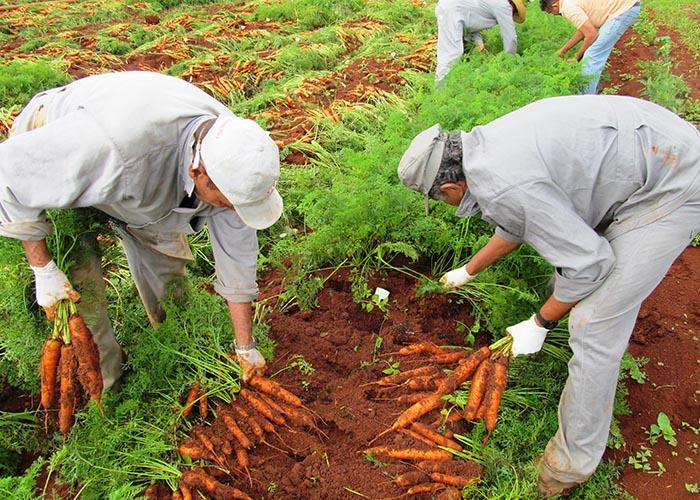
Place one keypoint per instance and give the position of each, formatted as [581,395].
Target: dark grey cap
[420,163]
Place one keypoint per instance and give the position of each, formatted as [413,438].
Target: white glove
[52,286]
[528,337]
[251,362]
[456,278]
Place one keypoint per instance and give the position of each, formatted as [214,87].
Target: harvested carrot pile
[70,358]
[261,410]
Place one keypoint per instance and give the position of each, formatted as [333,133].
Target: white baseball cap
[244,163]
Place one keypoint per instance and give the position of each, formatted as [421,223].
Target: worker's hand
[52,286]
[251,362]
[456,278]
[528,337]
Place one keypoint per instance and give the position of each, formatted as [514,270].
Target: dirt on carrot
[50,358]
[88,357]
[69,389]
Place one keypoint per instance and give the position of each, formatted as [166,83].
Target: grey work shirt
[568,174]
[122,143]
[477,15]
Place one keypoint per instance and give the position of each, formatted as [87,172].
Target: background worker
[162,159]
[607,190]
[600,24]
[460,20]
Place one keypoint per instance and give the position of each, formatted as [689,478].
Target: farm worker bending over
[607,190]
[600,24]
[162,159]
[462,20]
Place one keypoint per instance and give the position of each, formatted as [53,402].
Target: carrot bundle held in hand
[50,358]
[69,389]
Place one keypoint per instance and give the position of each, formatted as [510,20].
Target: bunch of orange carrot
[237,429]
[70,356]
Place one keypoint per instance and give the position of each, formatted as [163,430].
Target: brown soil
[337,340]
[626,76]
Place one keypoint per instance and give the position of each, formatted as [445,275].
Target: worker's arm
[37,252]
[571,42]
[590,35]
[496,248]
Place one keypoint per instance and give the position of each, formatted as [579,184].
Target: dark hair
[546,5]
[450,169]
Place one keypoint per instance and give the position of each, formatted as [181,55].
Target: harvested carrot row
[414,412]
[69,389]
[200,436]
[192,396]
[255,427]
[88,357]
[456,481]
[434,436]
[242,457]
[193,450]
[477,390]
[415,454]
[234,429]
[50,358]
[274,389]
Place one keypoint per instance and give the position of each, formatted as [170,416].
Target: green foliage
[21,487]
[309,13]
[20,79]
[662,428]
[632,367]
[662,86]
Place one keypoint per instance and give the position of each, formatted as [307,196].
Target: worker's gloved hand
[528,337]
[251,361]
[456,278]
[52,286]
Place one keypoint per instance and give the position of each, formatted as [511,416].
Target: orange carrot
[449,358]
[421,348]
[414,412]
[435,455]
[417,437]
[434,436]
[422,489]
[464,370]
[478,388]
[242,457]
[450,494]
[410,478]
[203,406]
[420,383]
[177,496]
[452,417]
[69,389]
[193,450]
[412,398]
[192,396]
[199,434]
[234,429]
[456,481]
[255,427]
[88,356]
[500,376]
[274,389]
[186,493]
[199,479]
[50,357]
[398,378]
[262,407]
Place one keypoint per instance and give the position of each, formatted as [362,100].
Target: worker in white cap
[607,190]
[162,159]
[461,21]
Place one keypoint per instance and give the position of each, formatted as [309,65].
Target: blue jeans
[596,55]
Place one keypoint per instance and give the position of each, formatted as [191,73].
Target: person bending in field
[461,21]
[600,24]
[162,159]
[607,190]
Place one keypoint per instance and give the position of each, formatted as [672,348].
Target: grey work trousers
[600,327]
[155,259]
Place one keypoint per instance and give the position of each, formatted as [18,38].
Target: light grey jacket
[477,15]
[121,142]
[568,174]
